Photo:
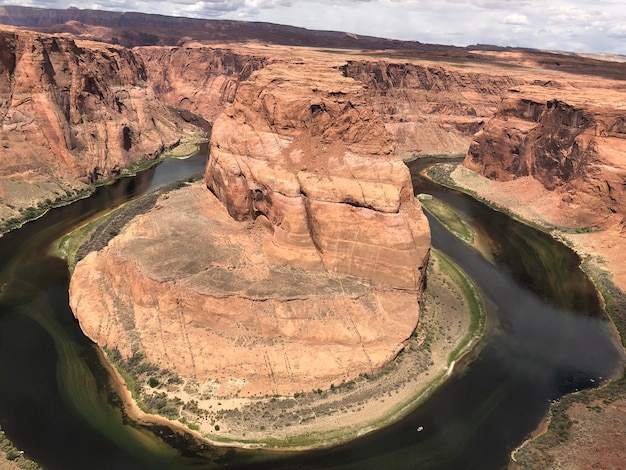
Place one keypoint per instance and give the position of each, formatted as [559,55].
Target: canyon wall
[72,112]
[573,145]
[199,78]
[431,108]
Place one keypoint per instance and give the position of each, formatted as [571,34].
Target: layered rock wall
[199,78]
[572,146]
[430,108]
[302,151]
[72,112]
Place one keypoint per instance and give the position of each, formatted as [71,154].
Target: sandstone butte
[308,270]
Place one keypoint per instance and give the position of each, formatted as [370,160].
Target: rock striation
[302,267]
[573,146]
[71,113]
[202,79]
[315,164]
[431,108]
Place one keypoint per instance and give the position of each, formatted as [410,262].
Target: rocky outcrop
[431,109]
[305,270]
[302,151]
[72,112]
[199,78]
[205,303]
[570,144]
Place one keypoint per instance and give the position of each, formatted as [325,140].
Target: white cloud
[618,31]
[516,18]
[599,26]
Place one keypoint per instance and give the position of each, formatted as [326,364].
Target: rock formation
[315,162]
[303,267]
[72,112]
[200,78]
[431,109]
[573,146]
[308,274]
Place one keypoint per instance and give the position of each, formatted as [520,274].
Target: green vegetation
[450,219]
[614,298]
[136,372]
[473,299]
[13,454]
[34,212]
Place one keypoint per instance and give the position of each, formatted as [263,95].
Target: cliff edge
[72,113]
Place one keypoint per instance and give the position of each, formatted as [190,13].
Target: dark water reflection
[547,337]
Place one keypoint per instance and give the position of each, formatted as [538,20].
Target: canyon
[562,154]
[73,113]
[299,261]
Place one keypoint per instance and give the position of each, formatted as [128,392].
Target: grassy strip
[448,217]
[614,298]
[34,212]
[473,299]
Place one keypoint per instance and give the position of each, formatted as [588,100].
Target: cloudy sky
[569,25]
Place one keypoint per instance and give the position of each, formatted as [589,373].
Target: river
[546,337]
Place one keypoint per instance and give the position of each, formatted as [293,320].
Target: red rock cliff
[302,149]
[72,112]
[571,144]
[431,108]
[200,78]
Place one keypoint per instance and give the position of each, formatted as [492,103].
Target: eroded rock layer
[303,151]
[431,108]
[72,112]
[200,78]
[304,271]
[572,145]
